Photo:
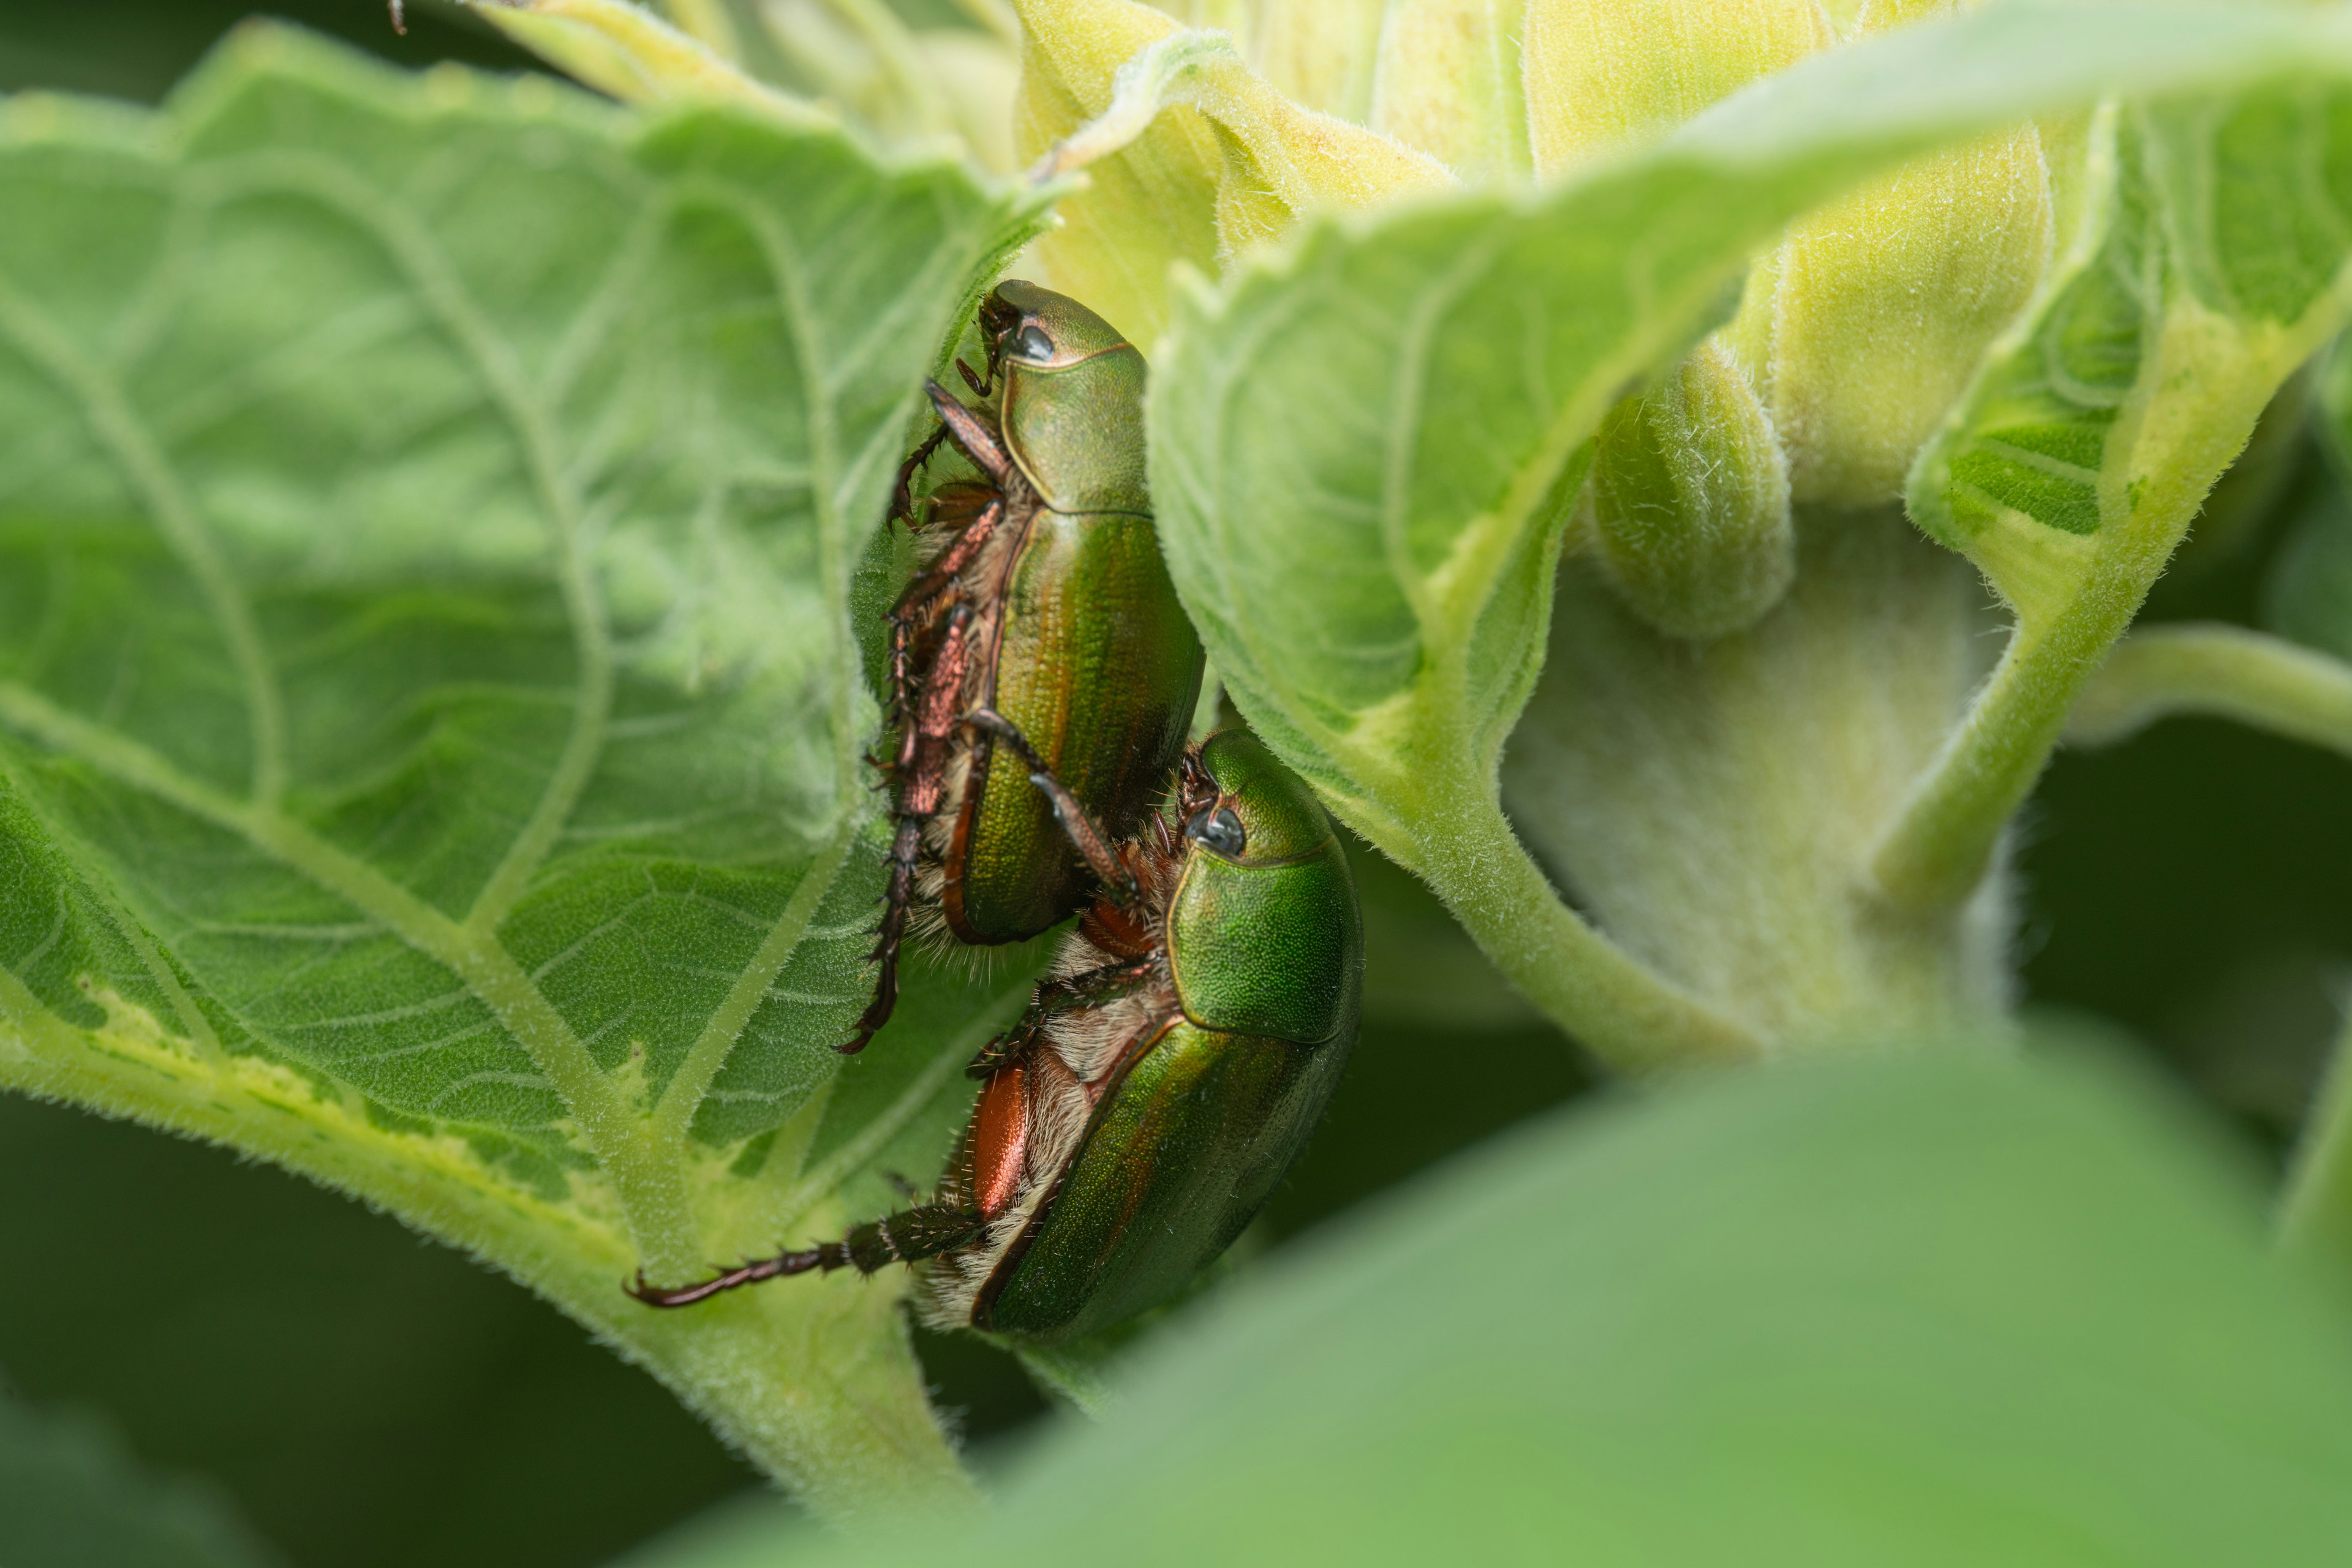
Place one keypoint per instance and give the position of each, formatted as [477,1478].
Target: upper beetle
[1044,625]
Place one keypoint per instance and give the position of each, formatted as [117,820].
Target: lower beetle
[1159,1083]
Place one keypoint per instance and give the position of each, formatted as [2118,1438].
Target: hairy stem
[1625,1012]
[1943,843]
[2219,671]
[2179,435]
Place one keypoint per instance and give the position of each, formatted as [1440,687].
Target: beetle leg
[952,560]
[972,434]
[907,1236]
[1093,845]
[914,603]
[1092,987]
[923,757]
[902,494]
[1088,988]
[972,380]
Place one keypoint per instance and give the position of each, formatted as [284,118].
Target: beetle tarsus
[910,1236]
[902,494]
[904,848]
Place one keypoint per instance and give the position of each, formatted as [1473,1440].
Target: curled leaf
[1193,157]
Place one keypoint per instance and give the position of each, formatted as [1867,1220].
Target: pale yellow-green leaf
[625,51]
[1882,303]
[1322,54]
[1452,83]
[1192,156]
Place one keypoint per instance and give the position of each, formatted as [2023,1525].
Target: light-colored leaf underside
[430,718]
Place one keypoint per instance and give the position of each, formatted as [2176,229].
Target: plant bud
[1688,500]
[1603,73]
[1868,321]
[1451,83]
[1322,54]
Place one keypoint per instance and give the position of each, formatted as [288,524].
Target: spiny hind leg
[909,1236]
[921,770]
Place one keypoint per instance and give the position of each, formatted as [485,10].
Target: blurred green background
[366,1398]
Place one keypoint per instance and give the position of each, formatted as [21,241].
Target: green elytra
[1159,1084]
[1265,956]
[1047,609]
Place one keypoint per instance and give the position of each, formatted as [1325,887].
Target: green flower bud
[1867,322]
[1602,73]
[1687,505]
[1451,84]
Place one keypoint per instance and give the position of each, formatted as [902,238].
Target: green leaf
[430,721]
[1939,1308]
[2209,264]
[1362,447]
[70,1498]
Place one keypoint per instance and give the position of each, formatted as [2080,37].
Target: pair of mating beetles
[1043,682]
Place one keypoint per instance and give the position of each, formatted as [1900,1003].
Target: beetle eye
[1218,828]
[1032,343]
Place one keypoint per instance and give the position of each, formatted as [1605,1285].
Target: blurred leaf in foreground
[1939,1309]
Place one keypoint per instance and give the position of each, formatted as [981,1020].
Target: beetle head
[1038,328]
[1262,931]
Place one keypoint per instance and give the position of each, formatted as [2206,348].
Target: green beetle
[1160,1082]
[1047,609]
